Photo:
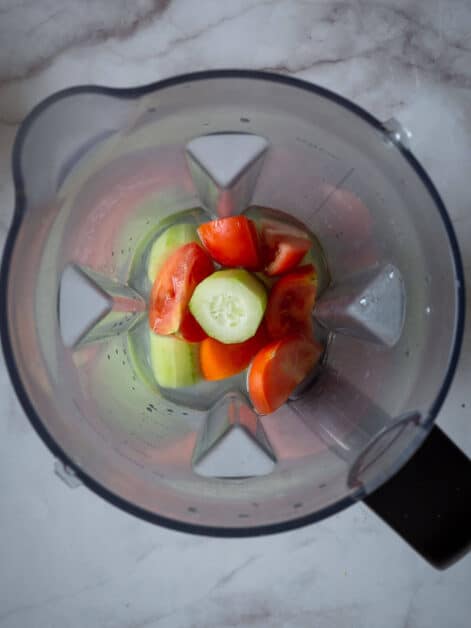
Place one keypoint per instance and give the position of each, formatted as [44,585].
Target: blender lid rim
[19,212]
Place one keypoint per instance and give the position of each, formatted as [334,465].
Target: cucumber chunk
[175,362]
[166,243]
[229,305]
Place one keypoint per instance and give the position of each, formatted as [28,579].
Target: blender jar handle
[428,502]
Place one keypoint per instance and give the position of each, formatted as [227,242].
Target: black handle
[428,502]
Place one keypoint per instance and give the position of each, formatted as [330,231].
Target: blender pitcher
[99,172]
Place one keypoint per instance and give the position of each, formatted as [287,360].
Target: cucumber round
[229,305]
[175,362]
[166,243]
[136,347]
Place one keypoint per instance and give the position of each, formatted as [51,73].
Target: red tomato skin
[173,287]
[232,241]
[290,303]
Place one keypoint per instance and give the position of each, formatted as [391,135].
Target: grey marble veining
[394,46]
[67,558]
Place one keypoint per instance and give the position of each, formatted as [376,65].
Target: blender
[99,172]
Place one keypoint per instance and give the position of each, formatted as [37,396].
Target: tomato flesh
[284,246]
[278,368]
[181,272]
[232,241]
[288,253]
[190,329]
[290,303]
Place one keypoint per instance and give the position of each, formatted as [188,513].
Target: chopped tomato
[219,360]
[284,246]
[290,303]
[190,329]
[278,368]
[286,254]
[174,285]
[232,241]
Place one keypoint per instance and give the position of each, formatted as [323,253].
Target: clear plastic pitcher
[98,172]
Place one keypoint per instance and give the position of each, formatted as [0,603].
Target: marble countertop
[67,558]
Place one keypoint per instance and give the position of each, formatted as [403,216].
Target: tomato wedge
[290,303]
[278,368]
[190,329]
[284,246]
[232,241]
[219,360]
[174,285]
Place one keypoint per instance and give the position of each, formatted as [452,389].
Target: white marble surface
[69,559]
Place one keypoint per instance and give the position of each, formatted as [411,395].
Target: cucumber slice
[175,362]
[166,243]
[229,305]
[137,349]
